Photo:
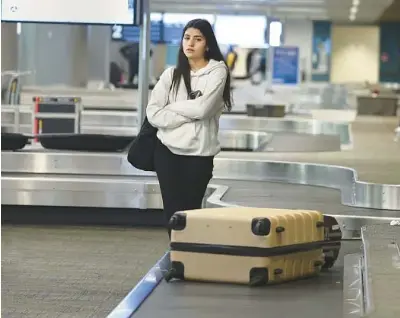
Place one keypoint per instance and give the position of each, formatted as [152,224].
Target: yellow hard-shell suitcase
[255,246]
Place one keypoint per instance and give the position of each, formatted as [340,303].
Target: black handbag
[141,151]
[13,141]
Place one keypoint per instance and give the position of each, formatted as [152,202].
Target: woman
[187,137]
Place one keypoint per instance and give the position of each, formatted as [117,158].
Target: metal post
[270,68]
[16,118]
[78,114]
[144,57]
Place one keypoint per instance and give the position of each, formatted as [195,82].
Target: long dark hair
[183,68]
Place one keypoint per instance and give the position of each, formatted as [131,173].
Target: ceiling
[392,13]
[335,10]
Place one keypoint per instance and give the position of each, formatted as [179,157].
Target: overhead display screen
[69,11]
[229,30]
[130,33]
[175,22]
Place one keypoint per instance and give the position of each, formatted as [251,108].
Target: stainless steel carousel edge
[353,191]
[137,194]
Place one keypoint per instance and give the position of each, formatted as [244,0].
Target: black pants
[183,180]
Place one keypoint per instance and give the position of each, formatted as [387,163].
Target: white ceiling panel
[335,10]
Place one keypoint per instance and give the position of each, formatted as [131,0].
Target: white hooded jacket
[189,127]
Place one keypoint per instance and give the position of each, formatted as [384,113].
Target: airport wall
[98,45]
[389,59]
[58,53]
[355,54]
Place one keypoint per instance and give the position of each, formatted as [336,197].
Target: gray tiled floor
[72,271]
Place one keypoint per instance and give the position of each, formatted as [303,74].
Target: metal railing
[28,119]
[13,91]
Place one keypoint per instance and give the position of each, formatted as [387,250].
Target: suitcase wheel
[169,275]
[261,226]
[318,263]
[280,229]
[259,276]
[320,224]
[329,262]
[278,271]
[330,259]
[177,222]
[176,271]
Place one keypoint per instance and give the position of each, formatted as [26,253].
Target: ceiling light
[352,17]
[353,10]
[300,9]
[356,2]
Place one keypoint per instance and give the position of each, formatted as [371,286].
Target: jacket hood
[212,65]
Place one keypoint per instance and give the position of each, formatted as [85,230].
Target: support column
[99,39]
[9,47]
[57,54]
[144,59]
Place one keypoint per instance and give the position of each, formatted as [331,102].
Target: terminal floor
[375,154]
[73,272]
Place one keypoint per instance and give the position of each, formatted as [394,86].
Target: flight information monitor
[69,11]
[130,33]
[229,30]
[175,22]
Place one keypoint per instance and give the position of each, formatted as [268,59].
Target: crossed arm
[177,113]
[156,112]
[207,104]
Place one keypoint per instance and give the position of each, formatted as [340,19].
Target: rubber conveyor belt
[314,297]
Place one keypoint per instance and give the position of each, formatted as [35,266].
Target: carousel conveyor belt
[265,194]
[281,195]
[314,297]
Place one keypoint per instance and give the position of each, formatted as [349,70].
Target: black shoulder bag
[141,151]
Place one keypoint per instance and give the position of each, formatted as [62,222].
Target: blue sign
[131,33]
[321,51]
[285,65]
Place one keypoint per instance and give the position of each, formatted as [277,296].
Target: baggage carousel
[42,180]
[276,134]
[316,297]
